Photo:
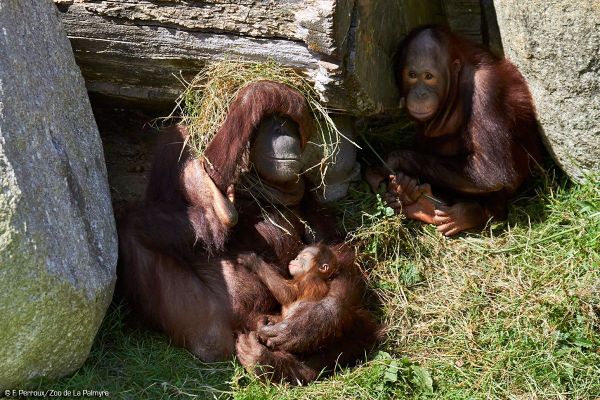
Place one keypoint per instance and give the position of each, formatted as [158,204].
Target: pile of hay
[204,104]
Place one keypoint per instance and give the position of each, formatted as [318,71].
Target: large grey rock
[57,234]
[556,45]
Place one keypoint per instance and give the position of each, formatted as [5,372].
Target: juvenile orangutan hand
[423,209]
[405,188]
[375,177]
[402,191]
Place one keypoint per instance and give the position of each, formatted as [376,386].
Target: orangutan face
[277,150]
[425,77]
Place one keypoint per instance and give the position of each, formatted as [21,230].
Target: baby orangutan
[324,285]
[312,271]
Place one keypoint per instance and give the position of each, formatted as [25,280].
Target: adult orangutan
[477,136]
[178,248]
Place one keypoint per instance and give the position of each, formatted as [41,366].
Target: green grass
[511,312]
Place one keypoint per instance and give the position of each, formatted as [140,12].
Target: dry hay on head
[205,102]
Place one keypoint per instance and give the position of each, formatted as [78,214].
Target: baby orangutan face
[317,259]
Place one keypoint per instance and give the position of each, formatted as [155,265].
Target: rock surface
[332,183]
[57,235]
[135,50]
[556,45]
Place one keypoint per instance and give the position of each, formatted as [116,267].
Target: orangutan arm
[311,323]
[281,288]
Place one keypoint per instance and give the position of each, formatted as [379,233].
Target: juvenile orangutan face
[277,150]
[425,77]
[303,261]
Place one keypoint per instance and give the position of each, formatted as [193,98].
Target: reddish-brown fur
[181,216]
[482,144]
[356,329]
[310,285]
[177,258]
[313,285]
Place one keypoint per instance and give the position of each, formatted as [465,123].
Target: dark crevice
[351,41]
[490,31]
[63,7]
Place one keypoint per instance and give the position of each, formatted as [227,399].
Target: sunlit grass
[511,312]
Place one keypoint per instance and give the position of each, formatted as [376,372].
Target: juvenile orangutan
[477,138]
[312,271]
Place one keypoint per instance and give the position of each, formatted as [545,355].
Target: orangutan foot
[451,220]
[424,208]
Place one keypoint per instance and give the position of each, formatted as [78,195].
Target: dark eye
[428,76]
[412,75]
